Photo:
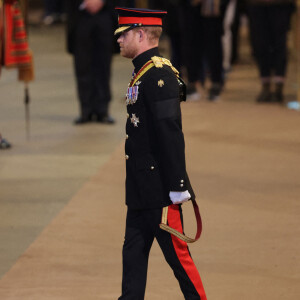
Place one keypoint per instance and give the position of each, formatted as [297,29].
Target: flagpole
[24,5]
[298,48]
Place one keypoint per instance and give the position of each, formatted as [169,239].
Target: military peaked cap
[130,18]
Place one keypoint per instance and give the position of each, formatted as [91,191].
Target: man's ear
[141,35]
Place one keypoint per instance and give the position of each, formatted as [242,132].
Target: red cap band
[140,20]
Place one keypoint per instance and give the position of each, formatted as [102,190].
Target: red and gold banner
[14,45]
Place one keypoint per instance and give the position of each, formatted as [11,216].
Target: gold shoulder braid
[160,61]
[157,61]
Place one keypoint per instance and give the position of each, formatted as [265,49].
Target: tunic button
[127,136]
[127,116]
[181,185]
[182,181]
[152,167]
[127,157]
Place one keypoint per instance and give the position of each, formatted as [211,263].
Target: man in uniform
[90,41]
[156,175]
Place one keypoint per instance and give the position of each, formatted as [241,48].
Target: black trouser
[193,46]
[269,25]
[92,58]
[213,49]
[203,50]
[142,226]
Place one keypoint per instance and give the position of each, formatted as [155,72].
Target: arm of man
[163,97]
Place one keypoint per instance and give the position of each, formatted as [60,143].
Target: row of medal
[132,94]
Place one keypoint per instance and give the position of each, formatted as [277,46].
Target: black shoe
[214,92]
[4,144]
[278,95]
[265,95]
[105,119]
[82,120]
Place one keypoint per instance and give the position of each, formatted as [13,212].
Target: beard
[127,52]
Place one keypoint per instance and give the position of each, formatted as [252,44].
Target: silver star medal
[135,120]
[132,95]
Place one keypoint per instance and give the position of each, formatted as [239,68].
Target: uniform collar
[140,60]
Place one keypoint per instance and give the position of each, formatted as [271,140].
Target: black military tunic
[154,149]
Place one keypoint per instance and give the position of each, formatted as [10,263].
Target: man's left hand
[179,197]
[93,6]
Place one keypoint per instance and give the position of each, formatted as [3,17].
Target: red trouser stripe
[182,252]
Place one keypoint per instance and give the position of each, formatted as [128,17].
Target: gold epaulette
[160,61]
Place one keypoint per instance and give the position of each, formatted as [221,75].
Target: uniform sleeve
[162,96]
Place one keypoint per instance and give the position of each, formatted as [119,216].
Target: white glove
[179,197]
